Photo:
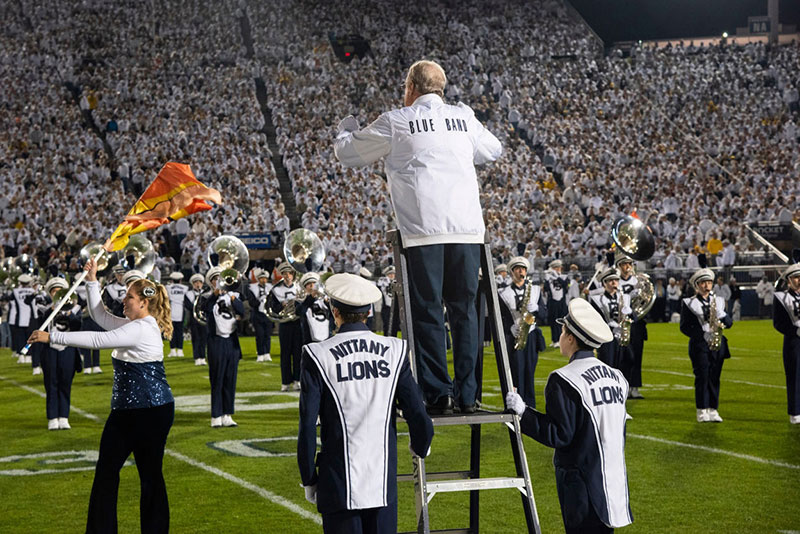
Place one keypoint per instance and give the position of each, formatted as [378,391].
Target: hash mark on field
[689,375]
[739,455]
[266,494]
[42,394]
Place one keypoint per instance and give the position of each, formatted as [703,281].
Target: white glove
[348,124]
[311,493]
[515,330]
[515,403]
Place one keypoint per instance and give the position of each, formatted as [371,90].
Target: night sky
[631,20]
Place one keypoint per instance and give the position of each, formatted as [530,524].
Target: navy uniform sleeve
[409,398]
[689,325]
[310,396]
[781,320]
[238,307]
[556,428]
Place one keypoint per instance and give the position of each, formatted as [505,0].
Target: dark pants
[791,365]
[263,328]
[58,368]
[18,338]
[199,339]
[391,321]
[223,366]
[177,335]
[638,337]
[616,356]
[707,367]
[523,367]
[143,432]
[368,521]
[91,357]
[438,275]
[36,351]
[577,512]
[556,309]
[290,336]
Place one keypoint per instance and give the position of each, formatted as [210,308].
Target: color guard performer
[257,295]
[290,333]
[177,293]
[638,329]
[517,298]
[702,321]
[354,382]
[615,309]
[222,308]
[786,319]
[198,331]
[59,362]
[555,287]
[585,423]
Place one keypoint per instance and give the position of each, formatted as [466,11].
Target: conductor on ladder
[430,150]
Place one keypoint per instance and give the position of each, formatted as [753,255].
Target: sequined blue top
[139,385]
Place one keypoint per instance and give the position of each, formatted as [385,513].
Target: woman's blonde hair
[157,303]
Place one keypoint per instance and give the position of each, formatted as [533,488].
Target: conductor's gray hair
[427,77]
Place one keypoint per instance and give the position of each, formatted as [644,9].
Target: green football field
[742,475]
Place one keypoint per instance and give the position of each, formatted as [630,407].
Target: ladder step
[441,475]
[475,484]
[446,531]
[477,418]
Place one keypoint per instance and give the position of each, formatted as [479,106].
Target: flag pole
[64,300]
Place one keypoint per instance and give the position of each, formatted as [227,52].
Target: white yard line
[266,494]
[689,375]
[714,450]
[42,394]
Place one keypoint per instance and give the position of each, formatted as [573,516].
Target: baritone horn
[230,253]
[139,254]
[90,250]
[304,251]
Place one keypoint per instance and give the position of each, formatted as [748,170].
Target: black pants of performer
[707,368]
[290,336]
[176,342]
[556,309]
[223,367]
[143,432]
[387,317]
[263,328]
[18,338]
[58,368]
[448,274]
[618,357]
[638,337]
[791,365]
[577,512]
[199,339]
[91,357]
[523,367]
[381,520]
[36,351]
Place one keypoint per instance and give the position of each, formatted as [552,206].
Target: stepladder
[427,483]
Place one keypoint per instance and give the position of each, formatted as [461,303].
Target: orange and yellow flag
[175,193]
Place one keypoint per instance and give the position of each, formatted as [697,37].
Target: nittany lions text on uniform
[354,381]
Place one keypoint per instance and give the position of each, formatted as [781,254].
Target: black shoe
[442,406]
[468,408]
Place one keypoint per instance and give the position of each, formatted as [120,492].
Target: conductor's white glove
[311,493]
[348,124]
[515,403]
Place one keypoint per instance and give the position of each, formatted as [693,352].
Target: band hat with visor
[519,261]
[56,281]
[285,267]
[556,263]
[389,270]
[212,273]
[309,277]
[197,278]
[703,275]
[608,275]
[131,276]
[350,293]
[792,270]
[585,323]
[500,268]
[176,276]
[25,279]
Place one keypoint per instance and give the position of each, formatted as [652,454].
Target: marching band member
[512,298]
[313,311]
[353,382]
[142,406]
[390,311]
[21,315]
[290,333]
[257,295]
[115,291]
[628,285]
[585,423]
[501,277]
[177,292]
[366,274]
[555,287]
[198,331]
[615,308]
[59,362]
[222,307]
[786,319]
[697,323]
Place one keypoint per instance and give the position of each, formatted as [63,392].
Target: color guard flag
[175,193]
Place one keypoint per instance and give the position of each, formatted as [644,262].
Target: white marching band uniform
[177,293]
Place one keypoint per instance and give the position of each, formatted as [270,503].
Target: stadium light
[724,35]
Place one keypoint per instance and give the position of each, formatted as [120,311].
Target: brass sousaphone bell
[635,240]
[305,252]
[230,253]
